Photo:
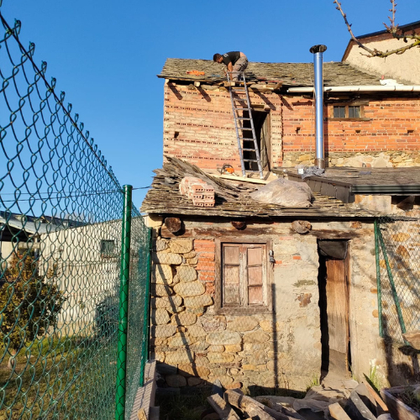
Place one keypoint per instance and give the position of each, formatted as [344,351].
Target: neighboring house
[21,231]
[85,260]
[404,66]
[82,258]
[258,294]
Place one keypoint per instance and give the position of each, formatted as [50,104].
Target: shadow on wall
[410,371]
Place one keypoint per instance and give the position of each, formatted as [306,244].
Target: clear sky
[106,54]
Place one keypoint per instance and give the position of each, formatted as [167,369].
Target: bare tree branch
[392,29]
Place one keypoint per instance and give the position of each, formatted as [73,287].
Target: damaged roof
[287,74]
[232,198]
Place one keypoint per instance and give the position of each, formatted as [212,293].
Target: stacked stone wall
[195,343]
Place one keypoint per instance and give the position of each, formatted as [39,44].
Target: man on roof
[235,61]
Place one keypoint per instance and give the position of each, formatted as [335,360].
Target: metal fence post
[145,343]
[391,282]
[123,311]
[378,278]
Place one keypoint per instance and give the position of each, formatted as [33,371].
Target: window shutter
[231,275]
[254,271]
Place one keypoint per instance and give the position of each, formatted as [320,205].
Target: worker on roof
[235,61]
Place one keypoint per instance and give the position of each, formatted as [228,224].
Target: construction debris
[358,402]
[200,192]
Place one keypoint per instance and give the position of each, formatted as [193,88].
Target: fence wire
[398,269]
[60,241]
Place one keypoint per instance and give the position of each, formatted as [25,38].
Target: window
[339,112]
[354,112]
[107,248]
[243,282]
[347,111]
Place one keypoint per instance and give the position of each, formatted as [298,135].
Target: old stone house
[258,294]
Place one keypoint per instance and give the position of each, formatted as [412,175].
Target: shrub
[29,303]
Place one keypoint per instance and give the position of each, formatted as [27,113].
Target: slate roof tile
[232,198]
[289,74]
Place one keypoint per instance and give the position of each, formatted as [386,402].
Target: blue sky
[106,55]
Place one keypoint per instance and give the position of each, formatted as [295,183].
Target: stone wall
[196,344]
[392,159]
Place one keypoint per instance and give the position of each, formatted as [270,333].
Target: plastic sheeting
[284,193]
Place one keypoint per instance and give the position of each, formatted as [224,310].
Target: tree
[29,303]
[410,39]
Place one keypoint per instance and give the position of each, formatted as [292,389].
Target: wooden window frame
[267,277]
[346,107]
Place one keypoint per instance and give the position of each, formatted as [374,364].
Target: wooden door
[337,295]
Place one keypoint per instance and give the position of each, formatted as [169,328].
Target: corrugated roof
[289,74]
[232,198]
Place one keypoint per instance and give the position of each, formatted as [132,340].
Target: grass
[314,382]
[72,377]
[373,377]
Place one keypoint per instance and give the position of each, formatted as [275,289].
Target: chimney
[317,51]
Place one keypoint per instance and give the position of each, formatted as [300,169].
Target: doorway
[333,283]
[261,122]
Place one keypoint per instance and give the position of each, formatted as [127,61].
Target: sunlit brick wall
[199,128]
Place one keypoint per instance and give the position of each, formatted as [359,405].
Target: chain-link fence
[66,329]
[398,272]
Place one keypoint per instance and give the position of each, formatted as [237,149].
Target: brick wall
[199,127]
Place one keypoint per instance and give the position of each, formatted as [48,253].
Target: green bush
[29,303]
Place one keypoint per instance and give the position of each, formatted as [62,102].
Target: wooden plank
[252,407]
[398,409]
[242,179]
[368,399]
[337,412]
[357,409]
[379,401]
[222,408]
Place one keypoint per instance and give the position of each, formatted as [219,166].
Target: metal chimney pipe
[318,50]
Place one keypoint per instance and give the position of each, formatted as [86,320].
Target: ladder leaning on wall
[240,102]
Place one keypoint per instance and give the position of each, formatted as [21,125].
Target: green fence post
[145,344]
[391,282]
[378,279]
[123,314]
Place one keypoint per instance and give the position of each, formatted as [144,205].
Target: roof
[403,28]
[288,74]
[33,225]
[232,198]
[344,183]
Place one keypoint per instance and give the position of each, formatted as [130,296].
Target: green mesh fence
[398,271]
[61,235]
